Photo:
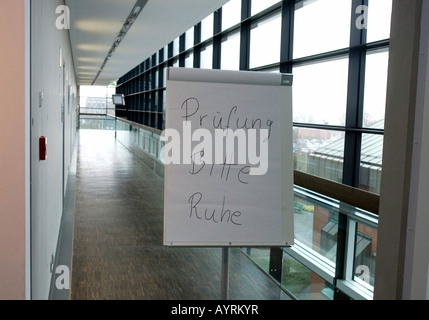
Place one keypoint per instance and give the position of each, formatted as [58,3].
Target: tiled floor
[118,230]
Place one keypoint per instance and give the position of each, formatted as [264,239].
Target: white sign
[228,159]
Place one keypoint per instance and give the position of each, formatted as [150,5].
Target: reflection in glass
[230,58]
[321,26]
[316,226]
[265,41]
[365,255]
[320,92]
[302,283]
[319,152]
[261,256]
[371,161]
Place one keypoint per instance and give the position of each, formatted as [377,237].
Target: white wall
[47,176]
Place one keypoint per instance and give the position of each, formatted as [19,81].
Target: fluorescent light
[125,28]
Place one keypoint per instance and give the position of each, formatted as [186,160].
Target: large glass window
[375,88]
[260,5]
[231,13]
[206,58]
[371,162]
[303,283]
[265,41]
[319,152]
[321,26]
[316,226]
[320,92]
[365,255]
[379,17]
[189,60]
[175,47]
[189,39]
[207,27]
[230,58]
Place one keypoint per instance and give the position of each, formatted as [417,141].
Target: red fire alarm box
[43,153]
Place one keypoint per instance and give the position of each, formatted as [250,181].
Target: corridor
[118,251]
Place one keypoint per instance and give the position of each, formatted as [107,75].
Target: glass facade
[265,50]
[321,26]
[337,51]
[327,82]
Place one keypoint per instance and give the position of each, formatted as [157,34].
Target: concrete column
[398,149]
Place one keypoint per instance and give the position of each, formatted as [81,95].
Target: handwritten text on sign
[223,167]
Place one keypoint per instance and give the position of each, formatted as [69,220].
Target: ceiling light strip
[137,9]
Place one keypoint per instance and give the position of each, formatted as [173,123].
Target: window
[265,41]
[371,162]
[260,5]
[321,26]
[206,59]
[230,53]
[207,28]
[327,82]
[175,46]
[365,255]
[319,152]
[189,39]
[375,88]
[231,14]
[316,226]
[303,283]
[189,60]
[379,16]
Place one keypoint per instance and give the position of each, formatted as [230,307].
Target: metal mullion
[276,254]
[170,50]
[246,9]
[286,49]
[245,34]
[353,141]
[355,97]
[182,54]
[217,39]
[197,46]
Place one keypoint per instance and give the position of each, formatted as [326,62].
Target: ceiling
[95,24]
